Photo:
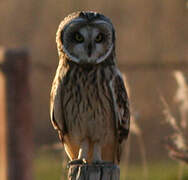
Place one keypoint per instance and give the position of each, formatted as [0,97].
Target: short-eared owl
[89,104]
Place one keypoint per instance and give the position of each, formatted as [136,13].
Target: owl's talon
[77,161]
[84,161]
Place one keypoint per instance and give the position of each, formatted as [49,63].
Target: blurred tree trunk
[3,126]
[16,89]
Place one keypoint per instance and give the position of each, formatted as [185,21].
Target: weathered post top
[100,171]
[12,59]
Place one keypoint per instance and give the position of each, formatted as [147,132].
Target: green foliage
[48,166]
[162,171]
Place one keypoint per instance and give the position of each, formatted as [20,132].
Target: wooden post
[102,171]
[16,119]
[3,148]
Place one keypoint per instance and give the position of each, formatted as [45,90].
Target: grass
[48,166]
[156,171]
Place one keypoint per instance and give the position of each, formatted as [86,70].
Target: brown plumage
[89,104]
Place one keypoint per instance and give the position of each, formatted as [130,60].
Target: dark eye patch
[106,33]
[100,38]
[78,37]
[68,33]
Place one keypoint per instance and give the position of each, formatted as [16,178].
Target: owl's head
[86,38]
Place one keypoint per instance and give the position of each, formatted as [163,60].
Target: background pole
[16,134]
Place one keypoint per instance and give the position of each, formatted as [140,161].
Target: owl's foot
[77,161]
[83,151]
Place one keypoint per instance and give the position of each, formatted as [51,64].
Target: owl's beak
[89,49]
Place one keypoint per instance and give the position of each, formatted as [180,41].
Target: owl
[89,104]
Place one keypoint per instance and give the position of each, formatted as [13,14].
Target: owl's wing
[121,109]
[56,108]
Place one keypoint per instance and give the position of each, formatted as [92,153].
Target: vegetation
[48,166]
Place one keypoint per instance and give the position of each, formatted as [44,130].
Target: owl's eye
[78,37]
[99,38]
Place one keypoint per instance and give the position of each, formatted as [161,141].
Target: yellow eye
[99,38]
[78,37]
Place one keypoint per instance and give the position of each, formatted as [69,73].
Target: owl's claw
[84,160]
[77,161]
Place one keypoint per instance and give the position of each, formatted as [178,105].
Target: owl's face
[87,40]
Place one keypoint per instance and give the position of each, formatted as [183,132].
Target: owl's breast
[87,105]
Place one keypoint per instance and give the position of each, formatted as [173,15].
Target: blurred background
[152,48]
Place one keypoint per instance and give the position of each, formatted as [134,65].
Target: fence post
[102,171]
[16,121]
[3,148]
